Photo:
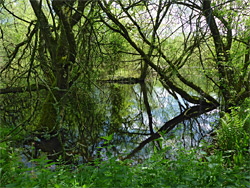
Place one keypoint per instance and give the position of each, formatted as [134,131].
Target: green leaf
[108,138]
[209,159]
[203,152]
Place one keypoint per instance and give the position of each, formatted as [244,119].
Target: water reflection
[125,114]
[164,107]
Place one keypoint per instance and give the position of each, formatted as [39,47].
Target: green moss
[48,115]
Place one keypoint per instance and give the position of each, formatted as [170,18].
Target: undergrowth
[227,166]
[188,170]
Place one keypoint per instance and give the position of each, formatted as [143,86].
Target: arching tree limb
[191,112]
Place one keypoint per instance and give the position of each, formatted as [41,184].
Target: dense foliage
[127,93]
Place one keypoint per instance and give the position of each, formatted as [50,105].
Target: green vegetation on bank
[226,163]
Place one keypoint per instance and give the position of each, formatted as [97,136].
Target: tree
[204,20]
[57,31]
[69,47]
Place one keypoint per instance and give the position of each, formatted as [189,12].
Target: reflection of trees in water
[69,80]
[85,126]
[188,132]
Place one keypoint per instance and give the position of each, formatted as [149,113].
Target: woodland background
[142,93]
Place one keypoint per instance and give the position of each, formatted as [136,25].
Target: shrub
[232,137]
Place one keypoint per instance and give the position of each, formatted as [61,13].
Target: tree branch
[130,80]
[45,28]
[170,125]
[32,87]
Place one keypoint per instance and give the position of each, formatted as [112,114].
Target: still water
[164,107]
[131,126]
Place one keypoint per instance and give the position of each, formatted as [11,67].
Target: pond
[163,107]
[126,111]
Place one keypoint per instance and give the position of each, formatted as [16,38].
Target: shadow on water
[129,121]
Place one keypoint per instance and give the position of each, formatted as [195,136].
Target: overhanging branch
[32,87]
[130,80]
[192,112]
